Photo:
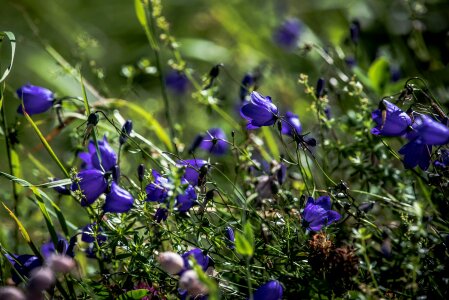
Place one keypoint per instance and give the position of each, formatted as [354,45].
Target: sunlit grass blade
[12,41]
[271,143]
[23,231]
[46,144]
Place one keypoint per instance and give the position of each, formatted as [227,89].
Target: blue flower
[107,154]
[287,34]
[177,82]
[215,142]
[272,290]
[157,191]
[443,159]
[23,264]
[390,120]
[118,200]
[318,213]
[186,200]
[425,133]
[88,234]
[202,259]
[35,99]
[193,167]
[92,183]
[259,111]
[63,247]
[161,214]
[291,126]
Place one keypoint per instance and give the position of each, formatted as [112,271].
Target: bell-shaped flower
[416,153]
[118,200]
[177,82]
[259,111]
[186,200]
[201,258]
[318,213]
[161,214]
[291,126]
[23,264]
[88,234]
[62,247]
[92,183]
[287,34]
[390,120]
[230,237]
[442,159]
[157,191]
[429,131]
[107,155]
[272,290]
[193,167]
[215,142]
[35,99]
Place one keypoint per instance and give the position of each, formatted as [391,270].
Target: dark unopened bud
[230,237]
[126,131]
[311,142]
[11,293]
[354,30]
[141,172]
[116,173]
[41,279]
[196,143]
[215,71]
[171,262]
[247,81]
[320,84]
[161,214]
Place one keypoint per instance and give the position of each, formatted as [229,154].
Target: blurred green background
[105,40]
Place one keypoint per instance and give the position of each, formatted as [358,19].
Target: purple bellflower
[186,200]
[157,191]
[23,264]
[272,290]
[259,111]
[107,154]
[92,183]
[443,159]
[425,133]
[215,142]
[88,234]
[193,168]
[177,82]
[161,214]
[291,126]
[390,120]
[126,131]
[202,259]
[318,213]
[287,34]
[62,247]
[118,200]
[36,99]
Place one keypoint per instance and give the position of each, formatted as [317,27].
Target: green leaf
[271,143]
[242,245]
[249,234]
[12,42]
[134,294]
[379,74]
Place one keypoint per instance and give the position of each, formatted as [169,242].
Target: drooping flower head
[107,155]
[177,82]
[62,247]
[230,237]
[201,258]
[287,34]
[425,133]
[157,191]
[390,120]
[186,200]
[259,111]
[247,81]
[272,290]
[193,169]
[23,264]
[92,183]
[318,213]
[214,141]
[118,200]
[126,131]
[443,159]
[35,99]
[354,30]
[88,234]
[291,126]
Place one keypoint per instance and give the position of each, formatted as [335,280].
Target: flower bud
[126,131]
[271,290]
[230,237]
[320,87]
[11,293]
[61,263]
[171,262]
[41,279]
[141,172]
